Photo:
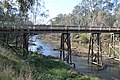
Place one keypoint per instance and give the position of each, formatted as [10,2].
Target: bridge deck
[57,29]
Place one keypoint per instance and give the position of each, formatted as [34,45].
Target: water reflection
[110,73]
[47,48]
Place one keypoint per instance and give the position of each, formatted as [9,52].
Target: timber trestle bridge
[65,44]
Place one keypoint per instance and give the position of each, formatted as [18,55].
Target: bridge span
[65,44]
[57,29]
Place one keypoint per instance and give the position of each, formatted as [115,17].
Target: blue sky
[56,7]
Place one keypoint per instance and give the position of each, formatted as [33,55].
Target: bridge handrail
[61,26]
[57,27]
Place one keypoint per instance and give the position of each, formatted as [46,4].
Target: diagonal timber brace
[95,49]
[114,46]
[65,48]
[25,45]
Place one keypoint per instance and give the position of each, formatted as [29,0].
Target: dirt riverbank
[77,49]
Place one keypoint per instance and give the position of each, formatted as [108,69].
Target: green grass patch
[35,67]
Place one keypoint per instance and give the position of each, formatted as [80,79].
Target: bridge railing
[55,27]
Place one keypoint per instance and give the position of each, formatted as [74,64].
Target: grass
[35,67]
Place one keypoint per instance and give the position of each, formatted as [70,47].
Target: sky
[56,7]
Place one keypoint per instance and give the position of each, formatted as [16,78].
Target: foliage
[20,11]
[36,67]
[117,17]
[92,13]
[84,39]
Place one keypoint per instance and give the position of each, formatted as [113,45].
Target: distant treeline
[92,13]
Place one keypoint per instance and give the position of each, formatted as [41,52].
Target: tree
[19,11]
[92,13]
[1,11]
[59,19]
[117,16]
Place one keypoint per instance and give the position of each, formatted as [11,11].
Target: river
[109,73]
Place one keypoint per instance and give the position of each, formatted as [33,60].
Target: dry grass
[7,70]
[35,67]
[9,74]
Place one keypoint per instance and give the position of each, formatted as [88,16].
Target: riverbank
[35,67]
[81,62]
[77,49]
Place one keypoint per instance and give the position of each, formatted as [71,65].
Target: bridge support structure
[114,46]
[25,44]
[95,49]
[65,48]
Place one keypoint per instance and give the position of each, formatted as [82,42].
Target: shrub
[84,39]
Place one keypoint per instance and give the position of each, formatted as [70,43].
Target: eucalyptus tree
[81,12]
[90,13]
[37,11]
[18,11]
[1,11]
[59,19]
[79,15]
[96,12]
[117,16]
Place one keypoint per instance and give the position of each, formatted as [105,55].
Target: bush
[84,39]
[36,67]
